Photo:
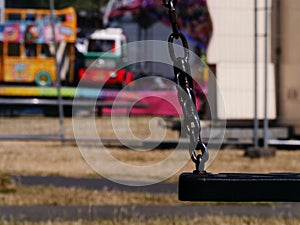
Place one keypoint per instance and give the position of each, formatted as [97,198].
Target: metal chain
[185,91]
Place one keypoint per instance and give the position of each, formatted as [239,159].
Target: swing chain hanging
[185,91]
[171,4]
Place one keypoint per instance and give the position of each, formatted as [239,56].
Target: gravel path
[94,184]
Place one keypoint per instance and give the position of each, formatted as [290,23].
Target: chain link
[184,45]
[185,91]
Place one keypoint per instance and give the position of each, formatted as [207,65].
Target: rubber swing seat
[239,187]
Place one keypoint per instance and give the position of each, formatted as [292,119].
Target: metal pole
[2,11]
[107,11]
[256,124]
[58,80]
[277,31]
[266,122]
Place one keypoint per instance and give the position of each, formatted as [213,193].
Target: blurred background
[250,48]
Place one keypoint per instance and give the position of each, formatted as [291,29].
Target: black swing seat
[239,187]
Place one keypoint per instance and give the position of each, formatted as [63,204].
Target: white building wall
[290,64]
[232,50]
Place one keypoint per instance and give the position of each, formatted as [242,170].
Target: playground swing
[200,185]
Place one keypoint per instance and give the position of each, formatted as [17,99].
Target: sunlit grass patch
[49,195]
[51,158]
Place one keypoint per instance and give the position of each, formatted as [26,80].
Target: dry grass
[50,158]
[234,161]
[141,127]
[42,158]
[207,220]
[41,195]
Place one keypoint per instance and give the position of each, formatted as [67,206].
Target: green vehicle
[103,54]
